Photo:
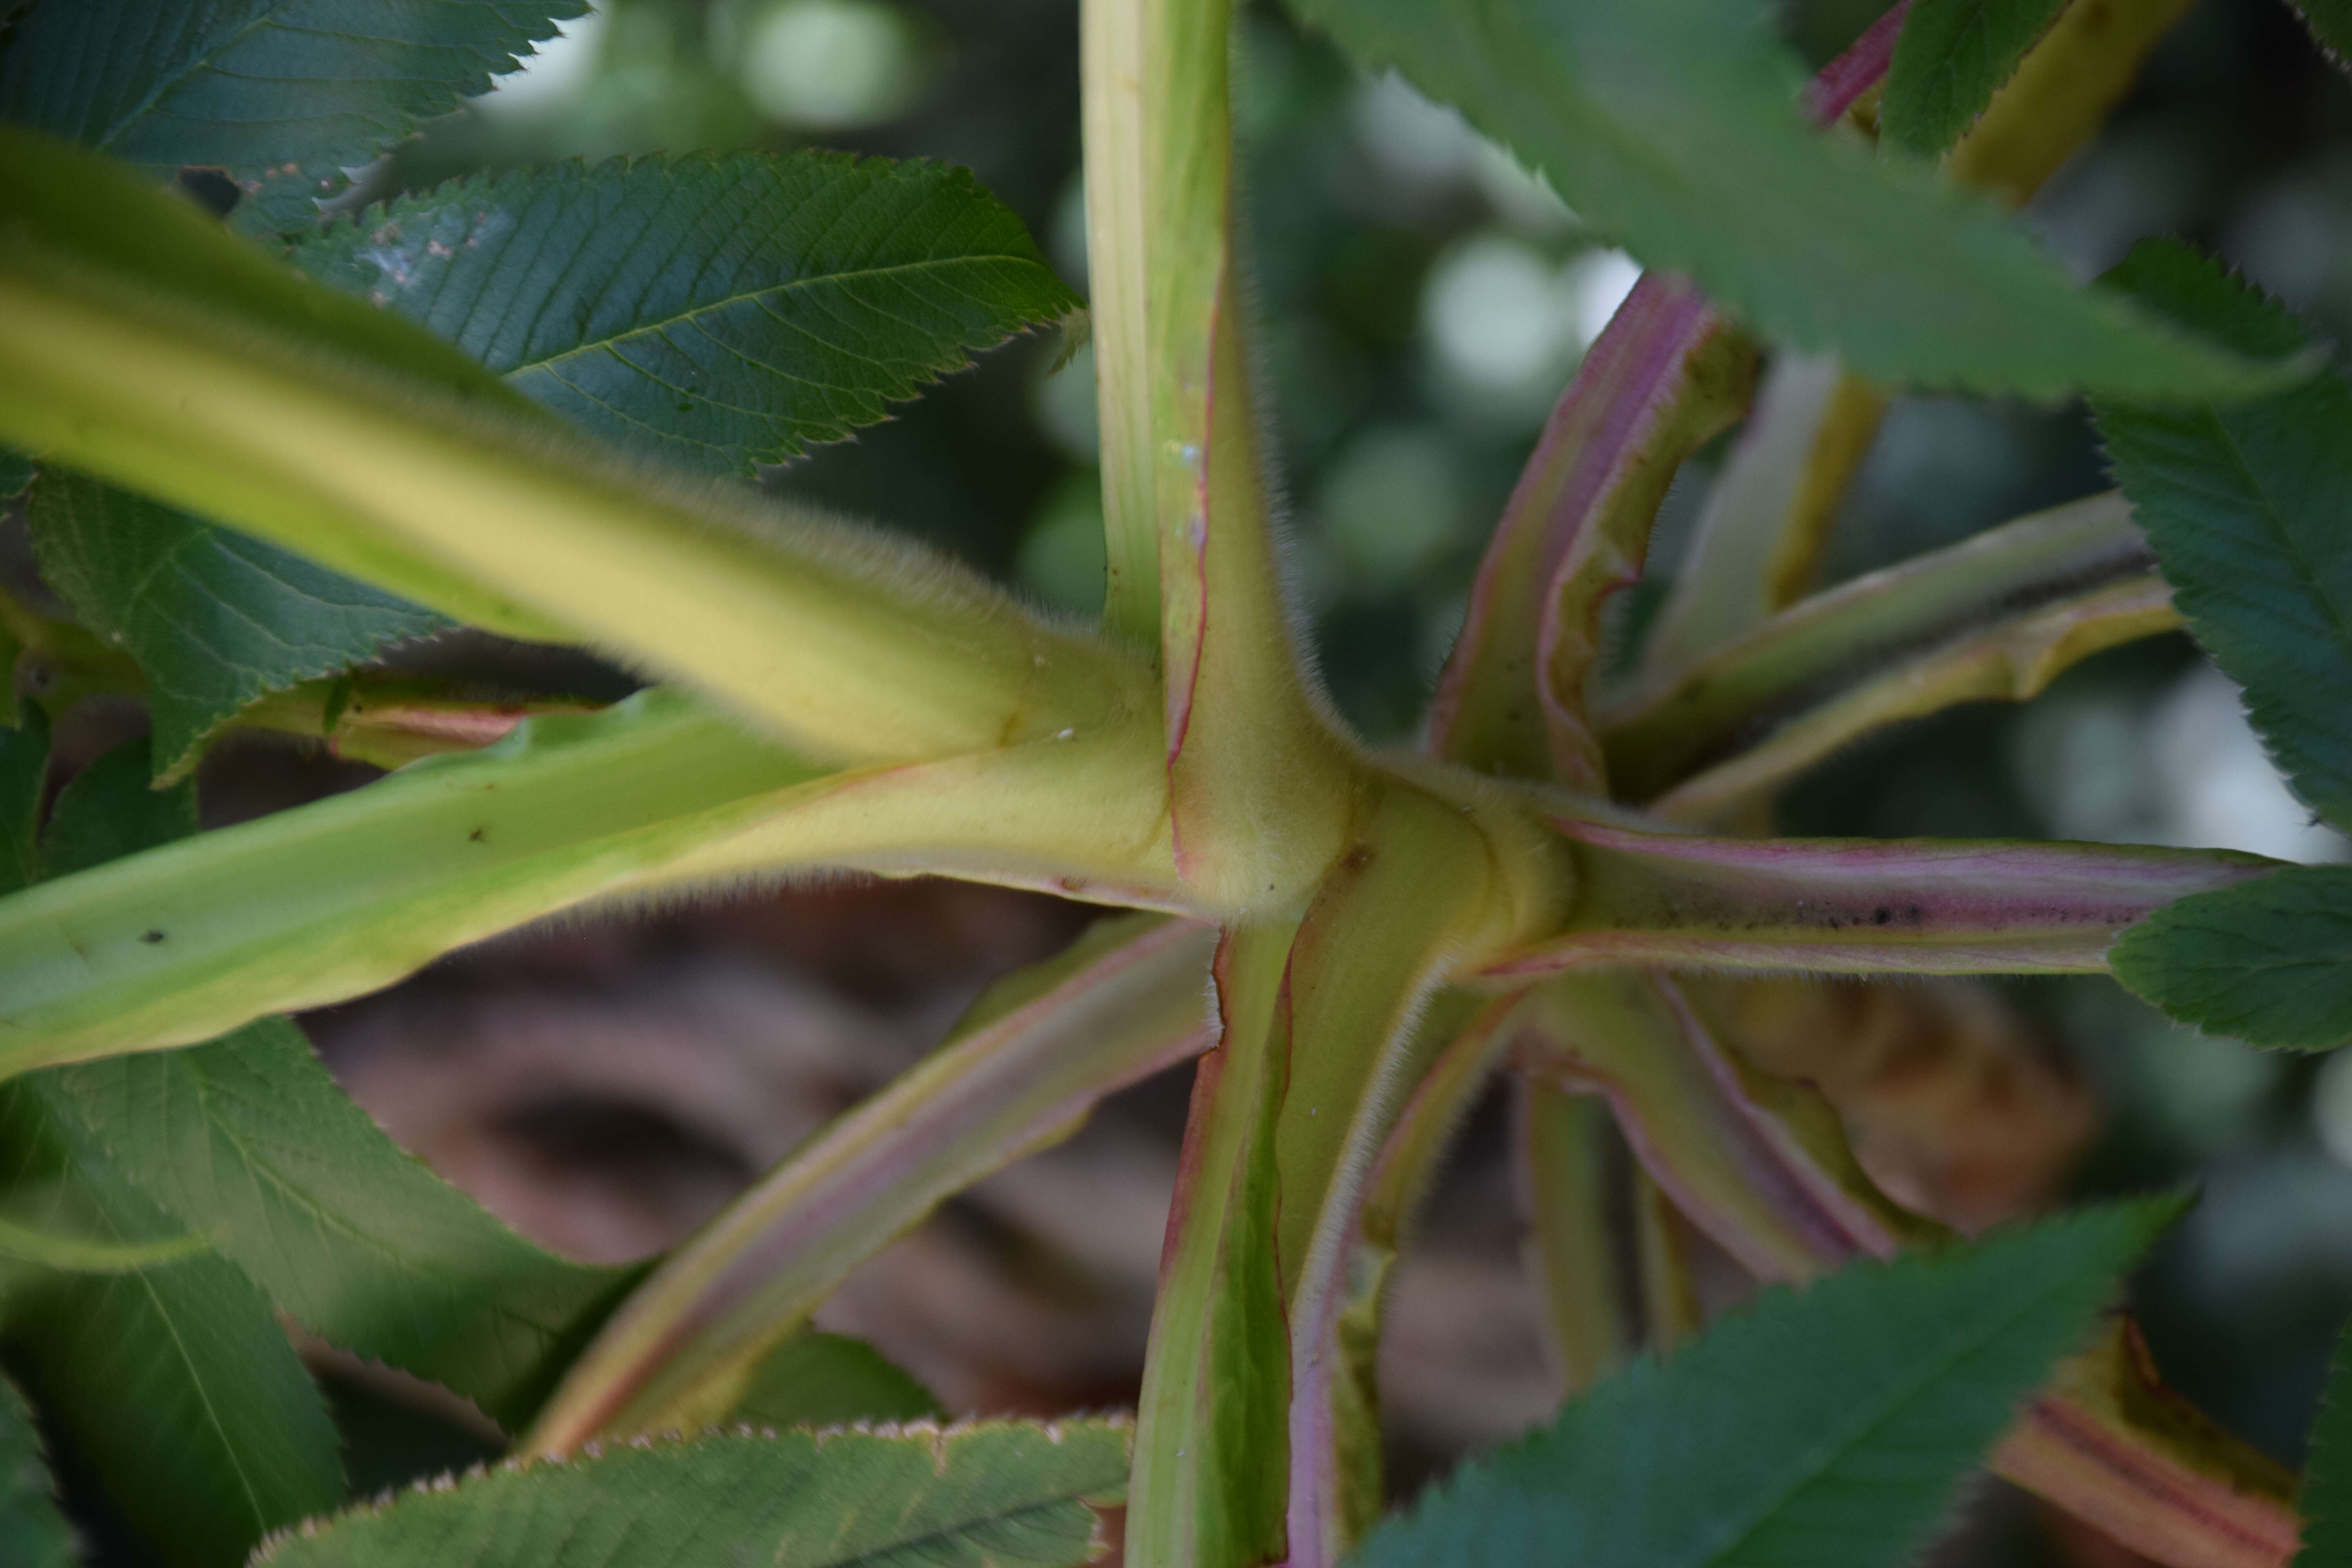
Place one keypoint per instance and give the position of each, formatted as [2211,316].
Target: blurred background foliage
[1421,302]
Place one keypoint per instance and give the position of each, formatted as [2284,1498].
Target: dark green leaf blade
[216,619]
[283,94]
[33,1534]
[723,310]
[1952,57]
[248,1140]
[1671,126]
[1828,1426]
[829,1379]
[2269,961]
[175,1383]
[24,770]
[986,1495]
[2327,1501]
[2245,503]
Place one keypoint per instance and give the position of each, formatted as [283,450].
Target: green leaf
[2269,961]
[1672,126]
[33,1534]
[174,1384]
[15,473]
[829,1379]
[2330,22]
[250,1141]
[24,769]
[723,310]
[987,1495]
[216,619]
[283,94]
[2245,504]
[1833,1424]
[2327,1501]
[1952,57]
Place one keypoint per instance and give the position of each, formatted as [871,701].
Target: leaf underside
[2327,1501]
[1831,1426]
[283,94]
[33,1534]
[722,310]
[989,1495]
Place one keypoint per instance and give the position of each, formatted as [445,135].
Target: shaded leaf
[16,472]
[175,1383]
[24,769]
[2330,22]
[83,1255]
[33,1534]
[829,1379]
[1833,1424]
[2245,504]
[723,310]
[216,619]
[2326,1500]
[248,1141]
[1671,127]
[1952,55]
[2269,961]
[283,94]
[986,1495]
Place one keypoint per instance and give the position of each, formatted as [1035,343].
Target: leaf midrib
[757,295]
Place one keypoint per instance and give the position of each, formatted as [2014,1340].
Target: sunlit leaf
[1835,1424]
[215,618]
[33,1534]
[986,1495]
[283,94]
[2245,504]
[1671,127]
[2269,961]
[1953,55]
[721,309]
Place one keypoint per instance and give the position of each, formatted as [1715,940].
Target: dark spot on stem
[1881,915]
[150,936]
[478,836]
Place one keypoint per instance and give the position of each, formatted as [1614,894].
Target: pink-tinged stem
[1123,1003]
[1861,906]
[1665,375]
[2115,1448]
[1841,83]
[1730,1163]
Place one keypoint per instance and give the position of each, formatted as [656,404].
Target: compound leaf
[986,1495]
[2269,961]
[2245,504]
[33,1534]
[216,619]
[1673,127]
[1951,58]
[1831,1424]
[723,310]
[283,94]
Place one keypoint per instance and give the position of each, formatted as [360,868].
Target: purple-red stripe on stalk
[1861,906]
